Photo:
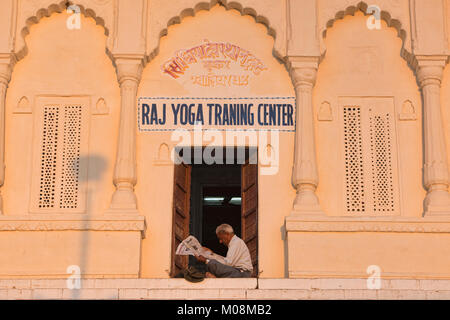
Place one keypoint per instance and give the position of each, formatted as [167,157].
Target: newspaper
[191,246]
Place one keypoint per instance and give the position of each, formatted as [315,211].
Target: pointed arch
[228,5]
[384,15]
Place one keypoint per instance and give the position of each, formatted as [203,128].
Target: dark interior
[215,198]
[216,212]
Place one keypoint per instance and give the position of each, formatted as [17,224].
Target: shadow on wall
[96,166]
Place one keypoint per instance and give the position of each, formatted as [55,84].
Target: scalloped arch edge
[57,8]
[385,16]
[206,6]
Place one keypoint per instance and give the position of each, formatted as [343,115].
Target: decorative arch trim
[58,8]
[384,15]
[228,5]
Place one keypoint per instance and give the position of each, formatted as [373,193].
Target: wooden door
[249,207]
[181,207]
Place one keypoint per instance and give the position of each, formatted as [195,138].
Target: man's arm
[219,258]
[230,259]
[209,254]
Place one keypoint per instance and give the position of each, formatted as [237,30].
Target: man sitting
[237,263]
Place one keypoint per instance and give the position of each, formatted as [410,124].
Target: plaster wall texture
[389,85]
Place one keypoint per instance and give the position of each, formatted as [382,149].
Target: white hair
[224,228]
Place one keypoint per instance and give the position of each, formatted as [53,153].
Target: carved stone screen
[61,128]
[369,148]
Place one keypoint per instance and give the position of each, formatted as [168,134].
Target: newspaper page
[191,246]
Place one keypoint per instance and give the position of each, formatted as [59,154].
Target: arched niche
[29,14]
[220,24]
[395,13]
[268,15]
[364,76]
[61,66]
[257,32]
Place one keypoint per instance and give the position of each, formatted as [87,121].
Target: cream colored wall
[445,98]
[349,254]
[155,180]
[445,94]
[62,62]
[49,254]
[366,63]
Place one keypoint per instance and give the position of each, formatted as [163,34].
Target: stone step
[252,288]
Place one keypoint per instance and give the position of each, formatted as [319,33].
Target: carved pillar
[6,64]
[436,178]
[303,72]
[129,70]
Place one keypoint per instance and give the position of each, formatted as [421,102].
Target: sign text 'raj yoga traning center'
[318,129]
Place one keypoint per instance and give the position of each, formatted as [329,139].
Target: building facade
[351,182]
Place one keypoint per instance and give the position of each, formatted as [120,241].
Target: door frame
[199,214]
[196,209]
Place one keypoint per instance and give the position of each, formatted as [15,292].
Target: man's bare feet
[209,275]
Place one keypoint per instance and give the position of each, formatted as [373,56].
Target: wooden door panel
[253,248]
[249,211]
[179,227]
[251,200]
[250,228]
[181,176]
[179,201]
[181,207]
[249,177]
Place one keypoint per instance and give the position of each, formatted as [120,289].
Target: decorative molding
[163,158]
[429,69]
[101,108]
[303,68]
[32,13]
[352,7]
[303,72]
[408,111]
[7,63]
[129,71]
[325,112]
[129,67]
[153,41]
[77,222]
[367,224]
[425,279]
[23,106]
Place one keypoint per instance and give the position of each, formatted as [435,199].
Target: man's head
[224,232]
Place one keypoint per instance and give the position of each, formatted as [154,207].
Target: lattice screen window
[381,162]
[59,174]
[369,158]
[354,169]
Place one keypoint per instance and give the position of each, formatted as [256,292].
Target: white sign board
[247,113]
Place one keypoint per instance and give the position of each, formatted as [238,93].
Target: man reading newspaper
[236,264]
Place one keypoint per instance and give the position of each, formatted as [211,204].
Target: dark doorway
[215,194]
[216,199]
[220,205]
